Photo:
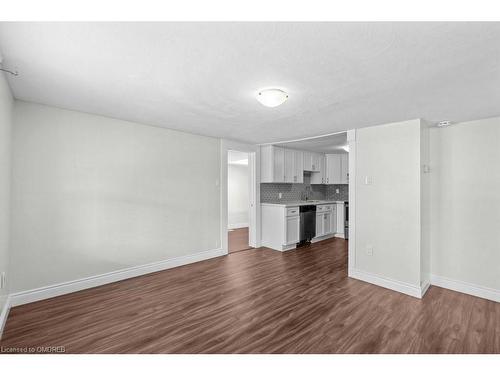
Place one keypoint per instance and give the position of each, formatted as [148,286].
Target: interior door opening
[240,190]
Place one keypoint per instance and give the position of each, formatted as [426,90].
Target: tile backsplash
[295,192]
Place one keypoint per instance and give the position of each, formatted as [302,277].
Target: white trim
[351,247]
[467,288]
[325,237]
[425,287]
[340,235]
[237,225]
[304,139]
[398,286]
[4,314]
[254,211]
[55,290]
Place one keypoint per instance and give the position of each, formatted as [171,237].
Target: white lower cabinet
[319,225]
[280,226]
[292,230]
[325,220]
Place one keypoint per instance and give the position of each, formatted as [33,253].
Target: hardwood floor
[238,240]
[259,301]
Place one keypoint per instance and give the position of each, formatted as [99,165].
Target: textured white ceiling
[202,77]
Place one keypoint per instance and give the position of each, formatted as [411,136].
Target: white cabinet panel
[319,177]
[315,162]
[299,166]
[292,230]
[272,164]
[278,164]
[289,166]
[327,223]
[340,218]
[333,169]
[308,161]
[319,225]
[344,174]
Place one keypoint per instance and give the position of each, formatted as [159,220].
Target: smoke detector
[443,124]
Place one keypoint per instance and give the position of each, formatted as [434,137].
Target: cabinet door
[334,219]
[298,167]
[289,163]
[307,161]
[292,230]
[319,225]
[319,177]
[278,164]
[332,169]
[344,158]
[315,162]
[327,223]
[340,218]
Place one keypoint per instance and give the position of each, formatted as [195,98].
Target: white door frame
[351,254]
[254,191]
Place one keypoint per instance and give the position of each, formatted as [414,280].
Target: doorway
[238,203]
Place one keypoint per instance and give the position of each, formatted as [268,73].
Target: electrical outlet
[280,195]
[3,280]
[368,180]
[337,191]
[369,250]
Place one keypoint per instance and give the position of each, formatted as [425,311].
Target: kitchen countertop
[299,203]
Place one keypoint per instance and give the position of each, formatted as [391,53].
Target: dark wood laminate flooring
[259,301]
[237,240]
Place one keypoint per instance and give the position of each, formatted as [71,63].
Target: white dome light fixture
[271,97]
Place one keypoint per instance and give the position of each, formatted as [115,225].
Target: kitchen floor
[238,240]
[259,301]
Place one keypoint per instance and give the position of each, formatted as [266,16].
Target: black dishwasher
[307,223]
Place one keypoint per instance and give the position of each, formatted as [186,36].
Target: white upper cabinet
[344,165]
[290,175]
[319,177]
[315,161]
[308,160]
[337,169]
[280,164]
[272,164]
[333,169]
[299,166]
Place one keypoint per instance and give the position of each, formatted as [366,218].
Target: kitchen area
[304,191]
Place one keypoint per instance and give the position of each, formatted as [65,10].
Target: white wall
[465,202]
[93,195]
[387,213]
[238,199]
[6,104]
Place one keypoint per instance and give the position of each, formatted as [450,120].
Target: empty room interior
[250,187]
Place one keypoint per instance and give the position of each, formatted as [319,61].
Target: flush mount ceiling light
[271,97]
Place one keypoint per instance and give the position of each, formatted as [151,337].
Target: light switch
[280,195]
[368,180]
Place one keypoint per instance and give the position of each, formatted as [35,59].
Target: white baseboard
[467,288]
[237,225]
[340,235]
[4,314]
[398,286]
[425,287]
[318,239]
[20,298]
